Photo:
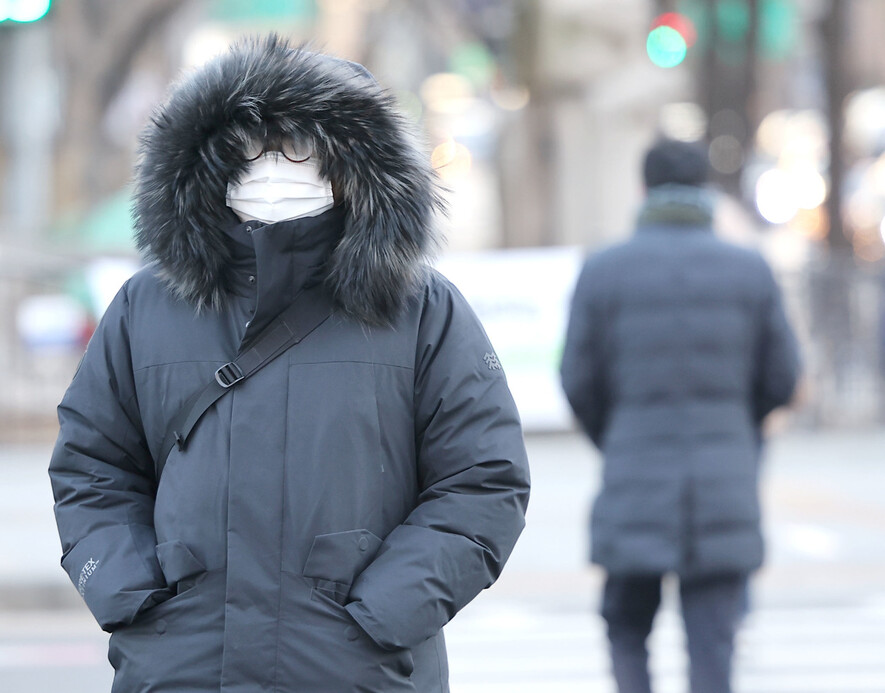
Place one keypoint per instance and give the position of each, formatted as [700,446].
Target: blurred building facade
[536,114]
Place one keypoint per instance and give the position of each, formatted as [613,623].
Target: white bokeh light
[776,196]
[203,44]
[810,187]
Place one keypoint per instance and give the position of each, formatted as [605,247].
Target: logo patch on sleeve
[492,361]
[86,573]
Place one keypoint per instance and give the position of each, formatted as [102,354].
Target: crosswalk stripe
[514,647]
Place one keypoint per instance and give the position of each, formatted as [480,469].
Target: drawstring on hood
[196,145]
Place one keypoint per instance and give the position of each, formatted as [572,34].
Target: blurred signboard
[522,297]
[52,322]
[65,321]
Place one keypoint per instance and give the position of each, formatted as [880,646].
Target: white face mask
[275,189]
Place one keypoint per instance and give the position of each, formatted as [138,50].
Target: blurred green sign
[262,10]
[107,228]
[473,61]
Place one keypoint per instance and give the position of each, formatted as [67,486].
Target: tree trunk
[98,42]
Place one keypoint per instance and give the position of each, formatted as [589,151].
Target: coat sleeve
[103,482]
[474,484]
[582,367]
[778,362]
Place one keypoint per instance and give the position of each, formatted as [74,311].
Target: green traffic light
[728,21]
[666,47]
[23,11]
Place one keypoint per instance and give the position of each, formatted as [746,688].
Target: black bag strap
[310,309]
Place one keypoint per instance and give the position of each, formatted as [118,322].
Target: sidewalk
[30,574]
[823,517]
[824,514]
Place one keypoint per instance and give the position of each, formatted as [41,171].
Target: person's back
[685,318]
[677,349]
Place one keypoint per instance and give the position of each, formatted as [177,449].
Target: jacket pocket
[178,564]
[336,559]
[394,665]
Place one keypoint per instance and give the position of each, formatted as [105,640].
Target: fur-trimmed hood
[267,89]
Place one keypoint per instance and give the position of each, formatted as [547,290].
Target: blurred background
[536,114]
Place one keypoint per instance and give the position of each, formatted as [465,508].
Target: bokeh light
[726,154]
[806,139]
[446,92]
[510,98]
[728,121]
[865,119]
[683,121]
[864,210]
[666,46]
[772,132]
[23,10]
[812,223]
[203,44]
[680,23]
[810,187]
[877,176]
[473,61]
[452,160]
[793,135]
[776,196]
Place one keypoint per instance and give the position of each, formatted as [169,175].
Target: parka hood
[266,89]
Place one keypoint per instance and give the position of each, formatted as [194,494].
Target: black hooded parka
[334,511]
[678,347]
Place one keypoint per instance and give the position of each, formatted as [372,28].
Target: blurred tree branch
[98,43]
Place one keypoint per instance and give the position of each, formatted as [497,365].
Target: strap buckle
[228,375]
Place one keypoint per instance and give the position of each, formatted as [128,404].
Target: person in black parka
[332,512]
[677,349]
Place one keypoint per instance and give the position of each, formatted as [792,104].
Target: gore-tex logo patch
[492,361]
[86,573]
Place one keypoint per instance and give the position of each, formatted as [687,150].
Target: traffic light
[671,35]
[728,23]
[23,11]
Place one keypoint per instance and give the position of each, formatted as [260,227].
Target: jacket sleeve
[103,483]
[474,484]
[582,364]
[778,361]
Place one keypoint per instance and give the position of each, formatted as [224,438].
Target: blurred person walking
[677,349]
[285,462]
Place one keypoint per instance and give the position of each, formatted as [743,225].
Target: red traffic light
[678,22]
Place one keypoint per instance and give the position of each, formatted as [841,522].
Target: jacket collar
[272,263]
[677,206]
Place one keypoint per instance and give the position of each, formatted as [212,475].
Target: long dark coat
[333,512]
[677,348]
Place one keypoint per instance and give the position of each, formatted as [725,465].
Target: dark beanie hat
[672,161]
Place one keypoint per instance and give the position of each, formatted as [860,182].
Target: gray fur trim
[266,88]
